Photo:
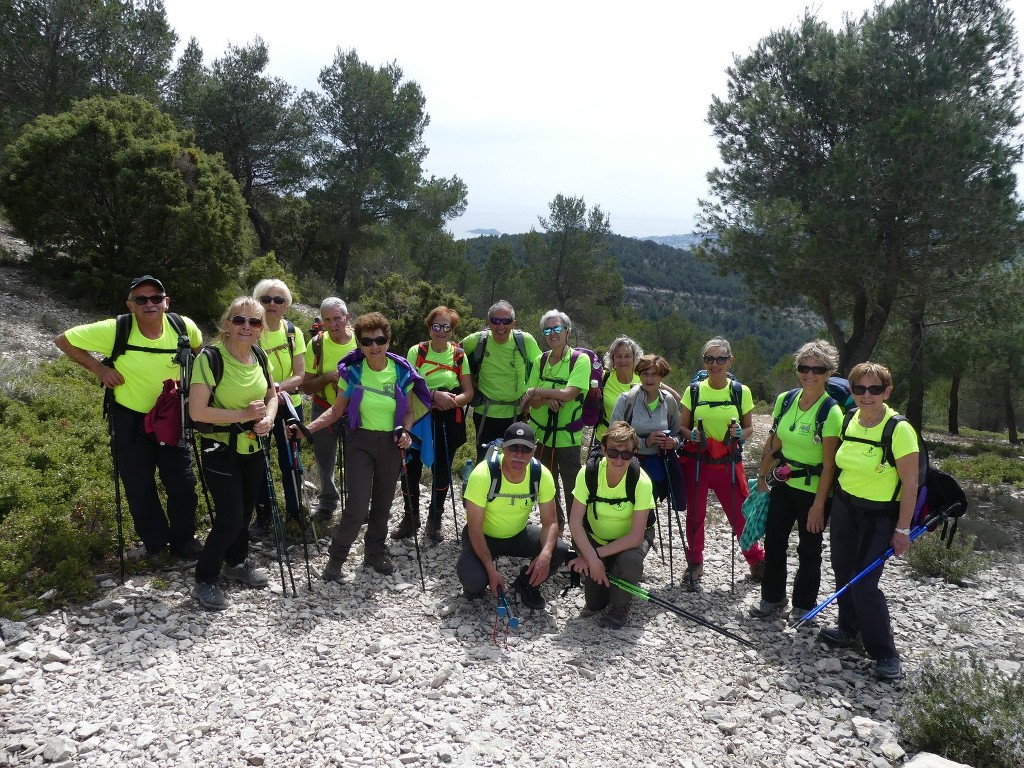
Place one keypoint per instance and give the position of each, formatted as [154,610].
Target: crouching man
[501,492]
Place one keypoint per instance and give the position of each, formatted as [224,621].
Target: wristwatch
[903,532]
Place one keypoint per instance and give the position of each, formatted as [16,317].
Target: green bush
[987,469]
[929,556]
[960,709]
[56,494]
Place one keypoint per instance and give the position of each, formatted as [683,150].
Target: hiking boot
[210,596]
[332,571]
[188,551]
[889,669]
[797,614]
[474,595]
[837,638]
[258,529]
[381,563]
[245,573]
[767,609]
[615,617]
[432,534]
[694,573]
[529,595]
[406,528]
[757,571]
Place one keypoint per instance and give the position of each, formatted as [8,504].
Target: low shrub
[958,708]
[929,556]
[987,469]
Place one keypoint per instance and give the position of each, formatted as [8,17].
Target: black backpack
[592,467]
[494,465]
[940,499]
[216,363]
[289,329]
[123,329]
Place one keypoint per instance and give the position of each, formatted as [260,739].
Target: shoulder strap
[421,354]
[478,350]
[535,466]
[317,342]
[627,414]
[590,476]
[122,330]
[694,397]
[787,403]
[216,364]
[822,417]
[458,355]
[494,465]
[517,336]
[261,358]
[737,399]
[289,329]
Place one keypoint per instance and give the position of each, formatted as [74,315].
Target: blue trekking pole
[396,436]
[696,436]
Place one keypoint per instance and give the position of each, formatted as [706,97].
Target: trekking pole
[342,468]
[734,449]
[916,532]
[197,454]
[668,508]
[696,436]
[503,615]
[298,480]
[397,434]
[692,584]
[117,493]
[637,591]
[280,543]
[451,484]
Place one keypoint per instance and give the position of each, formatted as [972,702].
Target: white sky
[595,99]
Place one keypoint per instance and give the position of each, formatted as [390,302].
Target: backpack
[940,499]
[494,465]
[634,393]
[736,396]
[289,329]
[165,419]
[838,390]
[590,476]
[216,363]
[592,398]
[458,355]
[478,357]
[123,329]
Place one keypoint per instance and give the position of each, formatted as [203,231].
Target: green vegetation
[987,469]
[929,556]
[964,711]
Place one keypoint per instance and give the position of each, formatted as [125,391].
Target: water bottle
[467,470]
[778,476]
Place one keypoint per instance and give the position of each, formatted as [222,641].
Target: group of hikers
[391,415]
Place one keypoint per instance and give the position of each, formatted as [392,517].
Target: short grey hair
[820,349]
[622,341]
[333,301]
[718,341]
[562,318]
[501,305]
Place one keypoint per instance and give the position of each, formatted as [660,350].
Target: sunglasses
[366,341]
[240,320]
[553,329]
[615,453]
[141,300]
[722,360]
[874,389]
[817,370]
[274,299]
[519,449]
[501,321]
[439,327]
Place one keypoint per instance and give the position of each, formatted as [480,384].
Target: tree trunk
[954,403]
[262,227]
[1011,419]
[341,265]
[915,401]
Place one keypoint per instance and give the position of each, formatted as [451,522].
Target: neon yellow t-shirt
[275,344]
[435,376]
[612,389]
[865,474]
[144,372]
[332,354]
[796,432]
[502,375]
[239,386]
[506,515]
[612,521]
[378,406]
[558,376]
[716,418]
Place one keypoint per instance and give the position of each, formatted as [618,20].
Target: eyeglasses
[721,360]
[817,370]
[275,299]
[240,320]
[141,300]
[366,341]
[439,327]
[501,321]
[615,453]
[874,389]
[518,448]
[553,329]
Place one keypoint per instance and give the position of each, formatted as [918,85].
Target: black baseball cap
[137,281]
[520,433]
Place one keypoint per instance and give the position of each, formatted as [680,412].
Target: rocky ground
[373,671]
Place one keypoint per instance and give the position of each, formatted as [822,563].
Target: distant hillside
[661,278]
